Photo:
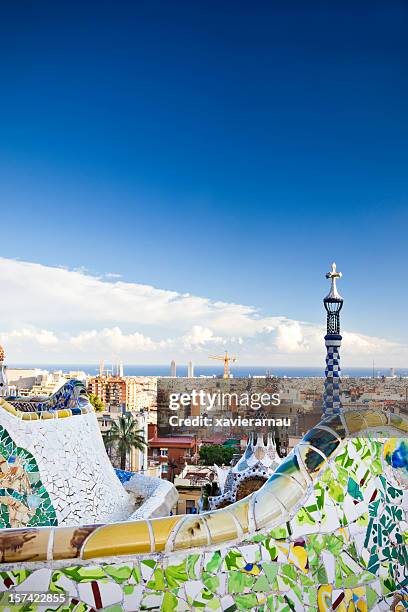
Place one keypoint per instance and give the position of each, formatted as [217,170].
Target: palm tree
[96,402]
[124,436]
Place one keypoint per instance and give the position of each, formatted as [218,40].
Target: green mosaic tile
[246,602]
[23,480]
[214,564]
[192,563]
[84,574]
[238,582]
[120,573]
[157,582]
[136,575]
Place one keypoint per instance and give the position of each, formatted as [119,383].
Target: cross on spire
[333,275]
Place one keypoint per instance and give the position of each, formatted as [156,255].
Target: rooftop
[171,441]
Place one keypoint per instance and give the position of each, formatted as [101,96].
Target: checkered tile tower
[3,375]
[333,303]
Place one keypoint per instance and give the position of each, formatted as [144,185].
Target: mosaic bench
[327,531]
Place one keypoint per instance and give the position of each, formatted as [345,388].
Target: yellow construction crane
[226,359]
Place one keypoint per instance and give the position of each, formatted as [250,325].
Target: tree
[214,454]
[96,402]
[123,436]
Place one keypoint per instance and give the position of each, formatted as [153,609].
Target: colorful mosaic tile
[70,400]
[24,501]
[356,559]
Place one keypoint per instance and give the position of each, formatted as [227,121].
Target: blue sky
[227,150]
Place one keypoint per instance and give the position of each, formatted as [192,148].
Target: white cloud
[358,344]
[42,337]
[112,340]
[54,314]
[290,338]
[200,336]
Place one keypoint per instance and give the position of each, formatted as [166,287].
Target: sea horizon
[210,370]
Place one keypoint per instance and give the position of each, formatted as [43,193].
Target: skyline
[226,155]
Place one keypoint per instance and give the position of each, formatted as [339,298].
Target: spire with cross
[333,275]
[333,303]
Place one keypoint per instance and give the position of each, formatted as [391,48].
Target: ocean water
[209,370]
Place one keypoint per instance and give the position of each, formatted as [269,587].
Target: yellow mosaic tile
[68,541]
[22,545]
[240,510]
[375,417]
[162,527]
[221,526]
[62,414]
[29,416]
[359,421]
[355,421]
[298,556]
[192,533]
[8,407]
[324,597]
[399,422]
[118,539]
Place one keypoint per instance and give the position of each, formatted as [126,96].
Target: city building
[189,484]
[35,382]
[172,453]
[190,370]
[173,369]
[23,379]
[141,394]
[188,499]
[133,393]
[111,390]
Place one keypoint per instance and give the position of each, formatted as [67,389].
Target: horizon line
[198,365]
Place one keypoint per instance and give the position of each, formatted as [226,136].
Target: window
[164,452]
[190,506]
